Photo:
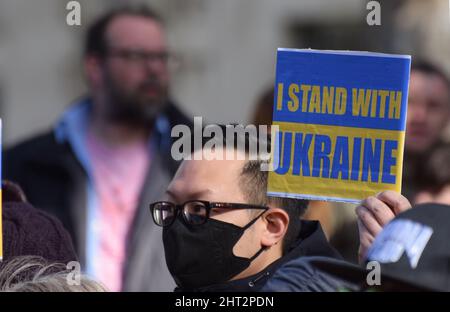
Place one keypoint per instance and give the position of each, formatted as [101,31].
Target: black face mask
[202,255]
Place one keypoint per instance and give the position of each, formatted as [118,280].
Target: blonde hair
[35,274]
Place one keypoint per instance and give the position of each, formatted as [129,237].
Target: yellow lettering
[314,105]
[305,90]
[327,100]
[280,97]
[340,105]
[373,108]
[360,102]
[383,94]
[293,103]
[395,101]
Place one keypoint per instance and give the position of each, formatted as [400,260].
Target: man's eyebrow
[194,195]
[171,194]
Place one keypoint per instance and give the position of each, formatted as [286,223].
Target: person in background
[436,177]
[28,231]
[427,118]
[109,154]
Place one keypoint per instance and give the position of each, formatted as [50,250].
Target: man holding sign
[221,232]
[227,227]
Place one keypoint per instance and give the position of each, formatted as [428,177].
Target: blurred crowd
[101,188]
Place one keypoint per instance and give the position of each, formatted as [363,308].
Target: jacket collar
[72,128]
[311,241]
[73,125]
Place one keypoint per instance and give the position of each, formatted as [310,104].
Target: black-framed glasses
[194,212]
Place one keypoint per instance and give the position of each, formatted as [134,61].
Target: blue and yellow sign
[341,118]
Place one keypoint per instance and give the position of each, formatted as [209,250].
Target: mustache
[151,82]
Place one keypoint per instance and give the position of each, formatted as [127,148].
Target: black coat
[311,241]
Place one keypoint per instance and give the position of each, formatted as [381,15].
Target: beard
[136,107]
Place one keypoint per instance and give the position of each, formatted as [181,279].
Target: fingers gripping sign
[374,213]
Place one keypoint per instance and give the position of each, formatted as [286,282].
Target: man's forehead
[196,176]
[219,153]
[428,78]
[430,85]
[213,167]
[135,30]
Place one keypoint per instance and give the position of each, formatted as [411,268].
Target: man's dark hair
[253,182]
[96,42]
[429,68]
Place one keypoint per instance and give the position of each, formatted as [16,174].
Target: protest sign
[341,118]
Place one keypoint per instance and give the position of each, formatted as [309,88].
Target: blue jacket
[311,241]
[302,275]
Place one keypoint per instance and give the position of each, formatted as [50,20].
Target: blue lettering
[301,154]
[371,160]
[322,149]
[284,149]
[388,161]
[356,159]
[340,159]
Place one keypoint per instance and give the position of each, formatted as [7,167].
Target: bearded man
[109,154]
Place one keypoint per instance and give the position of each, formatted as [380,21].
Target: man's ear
[276,222]
[93,70]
